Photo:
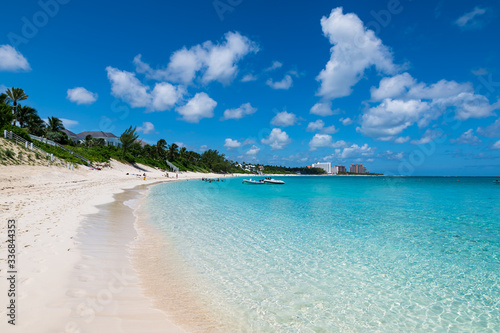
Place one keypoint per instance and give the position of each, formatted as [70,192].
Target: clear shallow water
[323,254]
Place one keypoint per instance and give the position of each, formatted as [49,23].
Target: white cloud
[284,119]
[319,125]
[277,139]
[12,61]
[391,87]
[203,148]
[402,139]
[200,106]
[406,87]
[325,141]
[356,151]
[323,109]
[391,117]
[315,126]
[248,142]
[491,131]
[249,78]
[231,144]
[244,110]
[405,102]
[284,84]
[275,65]
[496,145]
[126,86]
[68,123]
[253,151]
[427,137]
[346,121]
[213,61]
[165,96]
[80,95]
[391,155]
[471,20]
[354,50]
[2,88]
[480,71]
[468,138]
[469,105]
[146,128]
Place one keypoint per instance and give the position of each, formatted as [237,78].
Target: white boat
[253,182]
[274,181]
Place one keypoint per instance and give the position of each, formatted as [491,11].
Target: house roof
[69,133]
[96,134]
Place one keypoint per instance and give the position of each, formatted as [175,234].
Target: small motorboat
[253,182]
[271,181]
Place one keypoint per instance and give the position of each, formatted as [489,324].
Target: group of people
[208,180]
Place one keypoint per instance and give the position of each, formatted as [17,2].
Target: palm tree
[183,152]
[3,98]
[6,115]
[161,146]
[127,139]
[23,113]
[15,95]
[172,152]
[54,125]
[36,125]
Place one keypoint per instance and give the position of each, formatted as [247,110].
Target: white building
[327,166]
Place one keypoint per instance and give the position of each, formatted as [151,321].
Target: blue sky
[406,87]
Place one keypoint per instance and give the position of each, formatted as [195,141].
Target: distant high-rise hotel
[325,166]
[357,168]
[339,168]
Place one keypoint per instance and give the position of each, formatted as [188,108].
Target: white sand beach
[74,276]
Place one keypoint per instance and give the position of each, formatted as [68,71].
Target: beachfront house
[72,136]
[109,138]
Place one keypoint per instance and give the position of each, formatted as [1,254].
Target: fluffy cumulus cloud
[12,60]
[468,138]
[277,139]
[323,109]
[319,125]
[284,119]
[231,144]
[284,84]
[146,128]
[126,86]
[404,102]
[80,95]
[355,151]
[254,150]
[165,96]
[212,61]
[391,117]
[474,19]
[325,141]
[346,121]
[199,107]
[315,126]
[354,50]
[238,113]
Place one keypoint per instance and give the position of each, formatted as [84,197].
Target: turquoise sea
[336,254]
